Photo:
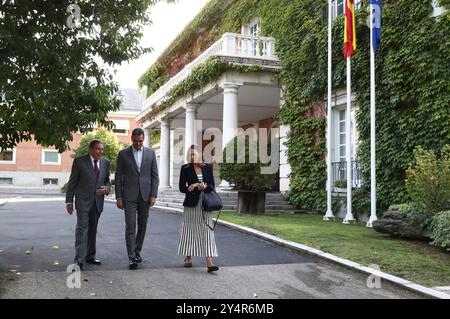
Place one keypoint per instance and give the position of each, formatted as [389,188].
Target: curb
[428,292]
[3,201]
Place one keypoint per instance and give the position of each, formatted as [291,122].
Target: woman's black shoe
[187,264]
[213,268]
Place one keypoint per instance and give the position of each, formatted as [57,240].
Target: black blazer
[188,176]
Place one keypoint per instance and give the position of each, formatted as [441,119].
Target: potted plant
[246,176]
[340,185]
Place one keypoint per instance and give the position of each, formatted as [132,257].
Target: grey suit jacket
[129,181]
[83,183]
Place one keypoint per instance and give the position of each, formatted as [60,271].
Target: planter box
[251,202]
[340,190]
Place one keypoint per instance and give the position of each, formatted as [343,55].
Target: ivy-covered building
[263,64]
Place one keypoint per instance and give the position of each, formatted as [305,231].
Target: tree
[54,65]
[110,142]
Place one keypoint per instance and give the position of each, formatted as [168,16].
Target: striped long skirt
[196,238]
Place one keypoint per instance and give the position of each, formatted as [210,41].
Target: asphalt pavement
[37,244]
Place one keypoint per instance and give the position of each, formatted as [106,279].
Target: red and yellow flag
[349,29]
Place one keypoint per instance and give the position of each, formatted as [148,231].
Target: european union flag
[377,19]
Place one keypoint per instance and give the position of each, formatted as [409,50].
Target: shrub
[428,182]
[110,143]
[241,172]
[440,230]
[341,183]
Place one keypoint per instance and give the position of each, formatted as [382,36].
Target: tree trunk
[253,203]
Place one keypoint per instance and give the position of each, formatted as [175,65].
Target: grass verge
[416,261]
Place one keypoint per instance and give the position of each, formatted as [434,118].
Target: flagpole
[348,148]
[373,184]
[329,213]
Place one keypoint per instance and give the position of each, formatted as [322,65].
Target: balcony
[339,170]
[232,47]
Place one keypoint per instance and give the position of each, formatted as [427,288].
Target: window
[251,46]
[338,7]
[341,136]
[120,131]
[121,127]
[5,181]
[50,181]
[253,28]
[7,156]
[51,157]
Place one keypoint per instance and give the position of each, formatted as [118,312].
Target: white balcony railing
[229,45]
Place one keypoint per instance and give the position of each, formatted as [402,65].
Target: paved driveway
[37,244]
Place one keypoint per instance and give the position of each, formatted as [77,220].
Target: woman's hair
[189,150]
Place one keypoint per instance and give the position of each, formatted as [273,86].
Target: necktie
[97,171]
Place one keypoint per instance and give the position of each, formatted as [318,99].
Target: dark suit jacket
[188,176]
[83,183]
[130,181]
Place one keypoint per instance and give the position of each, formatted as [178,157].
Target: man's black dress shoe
[94,261]
[138,258]
[133,263]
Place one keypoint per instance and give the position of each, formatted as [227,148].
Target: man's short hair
[93,143]
[137,132]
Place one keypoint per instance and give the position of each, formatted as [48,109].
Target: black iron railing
[339,170]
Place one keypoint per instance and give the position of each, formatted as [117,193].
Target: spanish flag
[349,29]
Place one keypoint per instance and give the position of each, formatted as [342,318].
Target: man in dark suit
[137,184]
[89,183]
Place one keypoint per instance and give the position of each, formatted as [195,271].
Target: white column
[190,134]
[148,137]
[230,112]
[329,212]
[348,146]
[164,160]
[229,118]
[285,167]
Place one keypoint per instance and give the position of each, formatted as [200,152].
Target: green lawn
[412,260]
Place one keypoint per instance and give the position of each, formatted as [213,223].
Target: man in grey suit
[137,184]
[89,183]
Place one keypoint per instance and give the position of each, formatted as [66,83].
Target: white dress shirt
[93,163]
[138,157]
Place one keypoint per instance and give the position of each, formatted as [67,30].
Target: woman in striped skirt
[197,238]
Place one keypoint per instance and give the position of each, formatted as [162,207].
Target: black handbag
[211,202]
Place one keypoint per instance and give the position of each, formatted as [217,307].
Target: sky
[168,21]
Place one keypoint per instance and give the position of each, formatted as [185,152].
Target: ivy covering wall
[413,85]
